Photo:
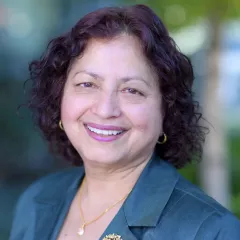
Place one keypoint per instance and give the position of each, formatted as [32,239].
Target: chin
[102,157]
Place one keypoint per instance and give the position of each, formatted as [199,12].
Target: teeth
[104,132]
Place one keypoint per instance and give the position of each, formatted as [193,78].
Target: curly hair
[182,116]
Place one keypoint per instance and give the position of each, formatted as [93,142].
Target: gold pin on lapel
[113,236]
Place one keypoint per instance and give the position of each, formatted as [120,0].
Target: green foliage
[236,204]
[234,151]
[187,12]
[190,172]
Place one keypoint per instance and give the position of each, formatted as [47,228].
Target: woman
[115,94]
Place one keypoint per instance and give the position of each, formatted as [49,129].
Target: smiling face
[111,105]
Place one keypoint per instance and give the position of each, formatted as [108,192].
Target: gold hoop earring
[164,139]
[60,125]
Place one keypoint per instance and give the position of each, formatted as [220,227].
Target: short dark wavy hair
[182,116]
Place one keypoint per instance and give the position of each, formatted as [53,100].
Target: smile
[104,133]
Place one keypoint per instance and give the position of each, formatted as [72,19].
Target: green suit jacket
[162,205]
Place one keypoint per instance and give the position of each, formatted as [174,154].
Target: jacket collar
[52,204]
[151,193]
[142,208]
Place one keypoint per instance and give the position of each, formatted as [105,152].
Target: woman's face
[111,106]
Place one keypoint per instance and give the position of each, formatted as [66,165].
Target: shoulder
[195,199]
[47,188]
[213,218]
[52,183]
[195,215]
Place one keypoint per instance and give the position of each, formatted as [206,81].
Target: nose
[107,105]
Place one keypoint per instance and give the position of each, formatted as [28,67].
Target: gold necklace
[81,230]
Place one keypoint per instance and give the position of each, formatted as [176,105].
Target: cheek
[72,107]
[145,118]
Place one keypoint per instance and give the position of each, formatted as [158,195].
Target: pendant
[81,230]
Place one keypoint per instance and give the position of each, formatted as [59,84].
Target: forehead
[120,55]
[121,44]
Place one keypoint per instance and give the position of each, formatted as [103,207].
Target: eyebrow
[124,79]
[94,75]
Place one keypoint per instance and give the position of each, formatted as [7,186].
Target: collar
[151,193]
[51,204]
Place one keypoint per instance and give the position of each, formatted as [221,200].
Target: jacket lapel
[119,226]
[145,204]
[51,207]
[45,215]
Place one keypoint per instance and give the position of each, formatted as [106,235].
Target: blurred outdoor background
[208,31]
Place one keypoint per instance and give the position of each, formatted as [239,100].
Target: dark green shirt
[163,205]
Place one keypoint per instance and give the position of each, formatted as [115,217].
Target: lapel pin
[113,236]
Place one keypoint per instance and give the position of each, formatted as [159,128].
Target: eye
[132,91]
[86,85]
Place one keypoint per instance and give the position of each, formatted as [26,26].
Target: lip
[102,138]
[105,127]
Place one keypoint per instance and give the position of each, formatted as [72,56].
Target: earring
[60,125]
[164,136]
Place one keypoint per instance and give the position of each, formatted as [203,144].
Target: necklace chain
[84,224]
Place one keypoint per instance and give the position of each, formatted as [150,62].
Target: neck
[111,181]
